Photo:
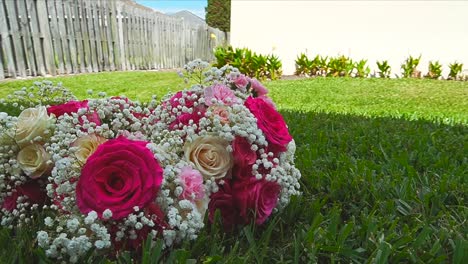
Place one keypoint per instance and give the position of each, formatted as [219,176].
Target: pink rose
[257,88]
[67,108]
[255,199]
[271,123]
[31,189]
[223,201]
[221,93]
[221,112]
[118,176]
[192,182]
[241,82]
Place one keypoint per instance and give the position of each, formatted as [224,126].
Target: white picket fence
[51,37]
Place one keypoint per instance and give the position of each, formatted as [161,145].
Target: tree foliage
[218,14]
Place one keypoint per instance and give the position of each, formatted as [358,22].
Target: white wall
[373,30]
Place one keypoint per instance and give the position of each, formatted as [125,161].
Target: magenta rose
[271,123]
[175,100]
[118,176]
[73,107]
[223,201]
[255,199]
[184,119]
[32,190]
[67,108]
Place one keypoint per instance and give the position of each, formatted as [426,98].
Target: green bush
[384,69]
[316,67]
[249,63]
[455,70]
[362,70]
[409,67]
[434,71]
[340,66]
[303,65]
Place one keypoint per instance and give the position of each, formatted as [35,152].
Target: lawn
[384,170]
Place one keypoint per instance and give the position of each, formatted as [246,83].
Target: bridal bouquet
[106,174]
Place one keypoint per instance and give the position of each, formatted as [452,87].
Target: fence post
[5,41]
[14,29]
[44,28]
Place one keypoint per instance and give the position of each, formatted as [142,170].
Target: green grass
[384,169]
[412,99]
[137,85]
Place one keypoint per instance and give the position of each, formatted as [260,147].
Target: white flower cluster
[69,236]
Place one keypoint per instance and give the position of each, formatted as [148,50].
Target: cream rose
[32,123]
[210,156]
[33,160]
[87,145]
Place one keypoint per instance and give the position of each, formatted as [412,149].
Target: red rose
[244,157]
[243,154]
[184,119]
[255,199]
[152,211]
[271,123]
[118,176]
[223,201]
[31,189]
[174,101]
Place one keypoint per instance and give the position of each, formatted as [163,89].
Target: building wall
[373,30]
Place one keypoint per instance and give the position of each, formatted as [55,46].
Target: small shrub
[274,67]
[248,62]
[362,70]
[455,70]
[303,64]
[340,66]
[434,71]
[384,69]
[315,67]
[409,67]
[322,65]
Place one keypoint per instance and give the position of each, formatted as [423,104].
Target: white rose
[87,145]
[33,159]
[32,123]
[210,156]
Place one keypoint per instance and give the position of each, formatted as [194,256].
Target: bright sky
[172,6]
